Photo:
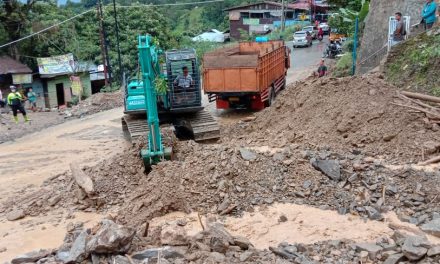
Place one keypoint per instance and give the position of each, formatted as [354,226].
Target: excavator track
[202,124]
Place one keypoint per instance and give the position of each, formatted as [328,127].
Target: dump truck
[246,75]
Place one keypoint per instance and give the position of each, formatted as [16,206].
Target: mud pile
[348,114]
[97,103]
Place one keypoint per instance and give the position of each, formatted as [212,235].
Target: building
[13,72]
[265,16]
[62,79]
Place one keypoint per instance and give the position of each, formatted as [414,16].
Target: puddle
[33,233]
[304,224]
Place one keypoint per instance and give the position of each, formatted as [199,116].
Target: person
[15,102]
[320,33]
[32,97]
[400,32]
[309,38]
[184,80]
[322,69]
[2,103]
[428,14]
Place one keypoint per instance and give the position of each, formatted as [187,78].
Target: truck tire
[272,95]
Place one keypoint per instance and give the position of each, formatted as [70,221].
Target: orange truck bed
[257,69]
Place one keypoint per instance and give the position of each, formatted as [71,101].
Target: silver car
[300,39]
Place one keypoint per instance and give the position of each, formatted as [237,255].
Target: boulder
[330,168]
[242,242]
[247,154]
[394,259]
[15,215]
[432,227]
[372,249]
[111,238]
[30,257]
[415,247]
[434,251]
[173,234]
[78,252]
[218,238]
[216,258]
[152,253]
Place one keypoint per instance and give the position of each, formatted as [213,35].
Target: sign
[251,21]
[21,78]
[56,65]
[76,85]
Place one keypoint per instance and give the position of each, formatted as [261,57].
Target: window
[267,15]
[256,15]
[244,14]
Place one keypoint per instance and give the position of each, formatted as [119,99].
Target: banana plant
[349,15]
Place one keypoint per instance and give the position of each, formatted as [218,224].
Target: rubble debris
[111,238]
[432,227]
[330,168]
[30,257]
[82,179]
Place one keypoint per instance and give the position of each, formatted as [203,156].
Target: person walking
[15,102]
[428,14]
[32,97]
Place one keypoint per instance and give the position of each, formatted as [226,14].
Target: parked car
[300,39]
[325,27]
[313,31]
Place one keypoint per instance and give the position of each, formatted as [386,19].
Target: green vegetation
[344,21]
[343,66]
[415,64]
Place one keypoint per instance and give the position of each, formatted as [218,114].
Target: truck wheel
[271,97]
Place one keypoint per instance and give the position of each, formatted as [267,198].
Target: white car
[312,30]
[300,39]
[324,27]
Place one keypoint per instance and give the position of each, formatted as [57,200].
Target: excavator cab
[183,98]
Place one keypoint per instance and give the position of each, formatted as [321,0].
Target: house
[13,72]
[264,16]
[63,78]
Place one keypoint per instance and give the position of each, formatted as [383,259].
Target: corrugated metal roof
[9,65]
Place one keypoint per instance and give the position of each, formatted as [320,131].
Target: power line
[90,10]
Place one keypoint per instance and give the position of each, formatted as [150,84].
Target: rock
[54,200]
[373,214]
[152,253]
[242,242]
[330,168]
[247,154]
[30,257]
[432,227]
[354,177]
[391,189]
[111,238]
[415,248]
[15,215]
[431,147]
[291,250]
[218,238]
[78,252]
[434,251]
[121,260]
[3,249]
[216,257]
[173,235]
[372,249]
[363,255]
[394,259]
[245,256]
[389,137]
[282,219]
[307,184]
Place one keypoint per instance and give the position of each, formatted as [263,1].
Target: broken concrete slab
[111,238]
[432,227]
[30,257]
[330,168]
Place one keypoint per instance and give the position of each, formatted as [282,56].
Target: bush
[343,66]
[111,88]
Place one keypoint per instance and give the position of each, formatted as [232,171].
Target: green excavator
[182,107]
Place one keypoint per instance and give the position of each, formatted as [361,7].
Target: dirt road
[36,157]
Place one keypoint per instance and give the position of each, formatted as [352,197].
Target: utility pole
[283,16]
[103,42]
[356,29]
[121,71]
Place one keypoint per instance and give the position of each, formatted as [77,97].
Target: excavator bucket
[151,159]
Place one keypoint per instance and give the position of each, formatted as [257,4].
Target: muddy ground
[330,149]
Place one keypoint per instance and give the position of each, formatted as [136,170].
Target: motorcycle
[332,50]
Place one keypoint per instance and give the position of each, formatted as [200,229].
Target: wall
[64,79]
[37,87]
[376,27]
